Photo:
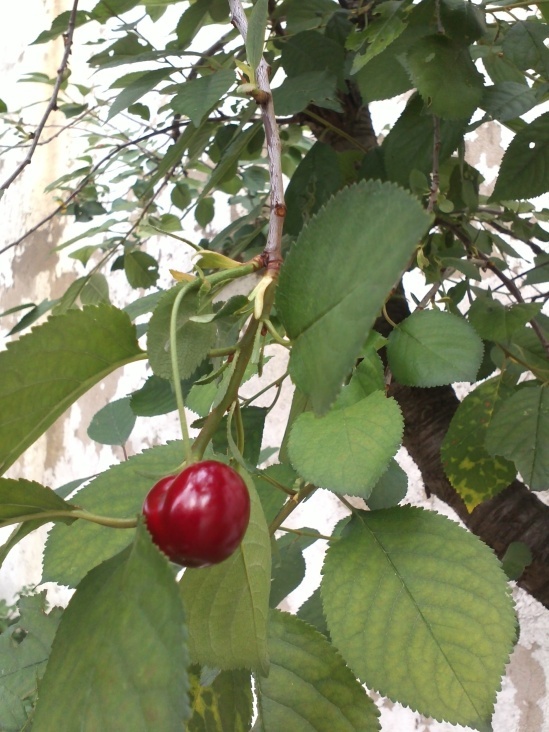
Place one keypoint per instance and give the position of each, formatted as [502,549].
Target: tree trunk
[515,514]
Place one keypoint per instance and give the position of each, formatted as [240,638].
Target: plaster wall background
[65,452]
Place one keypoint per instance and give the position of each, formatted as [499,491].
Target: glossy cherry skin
[200,516]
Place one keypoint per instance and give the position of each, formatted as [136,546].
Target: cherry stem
[275,335]
[187,444]
[112,522]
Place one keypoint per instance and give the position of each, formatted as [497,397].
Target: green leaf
[288,565]
[141,269]
[493,321]
[190,22]
[349,449]
[524,171]
[309,686]
[540,271]
[271,497]
[508,100]
[529,352]
[199,96]
[315,180]
[22,497]
[524,46]
[462,21]
[387,25]
[255,37]
[205,211]
[44,372]
[95,290]
[367,378]
[225,705]
[390,489]
[297,92]
[135,86]
[305,14]
[119,492]
[312,612]
[309,51]
[471,470]
[337,276]
[194,340]
[231,155]
[520,432]
[420,610]
[515,560]
[156,396]
[24,649]
[445,76]
[432,348]
[384,76]
[105,10]
[253,421]
[113,424]
[227,605]
[409,144]
[130,663]
[60,25]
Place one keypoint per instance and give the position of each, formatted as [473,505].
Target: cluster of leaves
[410,604]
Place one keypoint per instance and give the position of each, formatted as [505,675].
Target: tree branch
[83,184]
[52,105]
[273,248]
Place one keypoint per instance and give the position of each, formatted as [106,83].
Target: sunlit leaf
[420,610]
[432,348]
[227,604]
[349,449]
[309,687]
[520,432]
[45,371]
[445,76]
[328,310]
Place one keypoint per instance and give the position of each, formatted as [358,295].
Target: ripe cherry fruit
[200,516]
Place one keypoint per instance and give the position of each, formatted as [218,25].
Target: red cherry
[200,516]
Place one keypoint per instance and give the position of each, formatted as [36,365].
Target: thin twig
[446,273]
[435,170]
[502,230]
[273,248]
[82,185]
[52,105]
[513,289]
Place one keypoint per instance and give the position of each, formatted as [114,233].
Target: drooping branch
[52,104]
